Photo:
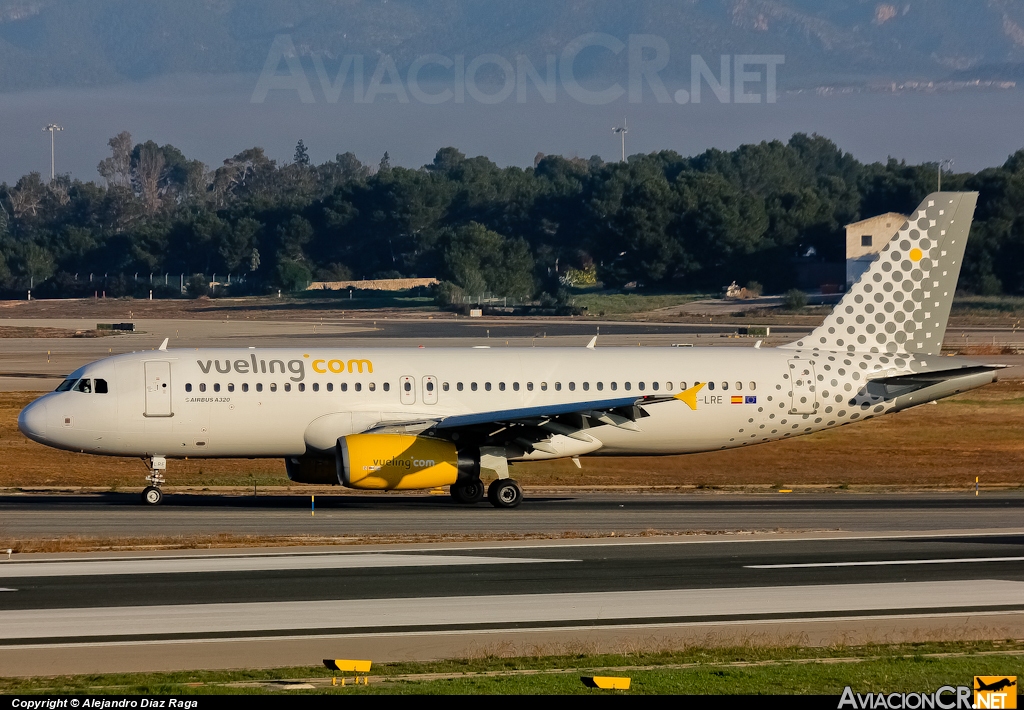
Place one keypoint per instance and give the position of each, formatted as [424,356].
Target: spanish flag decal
[736,399]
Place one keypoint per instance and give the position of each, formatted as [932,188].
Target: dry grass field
[944,445]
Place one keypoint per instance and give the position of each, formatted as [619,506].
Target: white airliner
[429,417]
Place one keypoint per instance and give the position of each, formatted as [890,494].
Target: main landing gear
[468,491]
[152,495]
[502,493]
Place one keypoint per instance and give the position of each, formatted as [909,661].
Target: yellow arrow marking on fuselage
[690,396]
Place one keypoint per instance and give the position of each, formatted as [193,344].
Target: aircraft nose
[32,421]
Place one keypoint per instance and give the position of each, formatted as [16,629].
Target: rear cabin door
[429,390]
[407,387]
[801,379]
[158,389]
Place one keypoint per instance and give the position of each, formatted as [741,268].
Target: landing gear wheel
[152,495]
[505,493]
[468,491]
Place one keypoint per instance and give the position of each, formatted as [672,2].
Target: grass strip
[744,670]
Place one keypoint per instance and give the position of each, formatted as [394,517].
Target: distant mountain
[75,43]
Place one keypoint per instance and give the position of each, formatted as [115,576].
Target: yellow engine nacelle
[400,462]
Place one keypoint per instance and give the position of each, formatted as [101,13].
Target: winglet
[592,343]
[163,345]
[689,397]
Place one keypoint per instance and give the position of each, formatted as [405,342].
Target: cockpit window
[66,384]
[83,385]
[101,386]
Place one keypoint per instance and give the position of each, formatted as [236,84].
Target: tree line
[659,221]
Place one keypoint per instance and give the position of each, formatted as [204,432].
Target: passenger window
[614,386]
[430,386]
[344,386]
[753,386]
[316,386]
[444,386]
[216,386]
[558,387]
[654,386]
[359,386]
[287,386]
[487,386]
[273,387]
[669,386]
[725,385]
[302,387]
[515,386]
[600,386]
[459,386]
[472,386]
[529,387]
[543,386]
[682,385]
[501,386]
[628,386]
[711,385]
[372,387]
[739,385]
[640,385]
[188,387]
[572,386]
[330,386]
[259,386]
[202,386]
[586,386]
[245,386]
[231,387]
[407,386]
[387,386]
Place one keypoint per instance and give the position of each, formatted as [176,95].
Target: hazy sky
[212,118]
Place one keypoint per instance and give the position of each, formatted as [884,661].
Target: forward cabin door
[158,389]
[801,379]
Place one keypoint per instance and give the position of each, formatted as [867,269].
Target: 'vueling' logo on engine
[395,462]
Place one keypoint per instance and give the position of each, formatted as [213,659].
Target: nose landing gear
[152,495]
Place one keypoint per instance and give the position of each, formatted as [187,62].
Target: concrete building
[866,238]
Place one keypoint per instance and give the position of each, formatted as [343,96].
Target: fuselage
[263,402]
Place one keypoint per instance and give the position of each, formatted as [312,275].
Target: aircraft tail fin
[901,303]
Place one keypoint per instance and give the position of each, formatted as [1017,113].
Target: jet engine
[402,462]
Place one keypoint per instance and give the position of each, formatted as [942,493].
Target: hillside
[77,43]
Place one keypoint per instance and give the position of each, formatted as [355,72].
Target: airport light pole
[52,128]
[622,131]
[948,165]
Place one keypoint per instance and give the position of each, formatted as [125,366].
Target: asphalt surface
[84,613]
[346,514]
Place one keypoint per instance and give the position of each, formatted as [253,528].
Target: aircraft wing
[532,428]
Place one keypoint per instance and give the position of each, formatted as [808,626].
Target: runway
[215,609]
[343,514]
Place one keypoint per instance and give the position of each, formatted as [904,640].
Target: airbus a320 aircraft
[422,418]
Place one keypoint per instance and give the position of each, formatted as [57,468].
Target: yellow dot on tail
[916,254]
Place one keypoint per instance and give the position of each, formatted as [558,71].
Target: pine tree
[301,154]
